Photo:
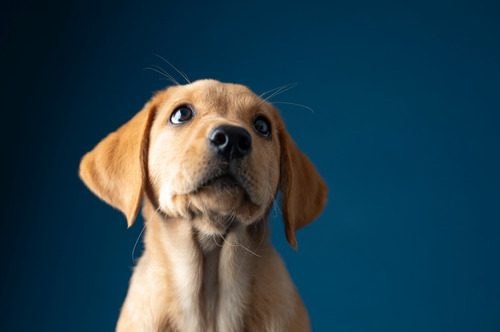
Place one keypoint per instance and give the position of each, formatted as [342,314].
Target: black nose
[230,141]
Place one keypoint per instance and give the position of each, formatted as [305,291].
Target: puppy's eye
[181,115]
[262,125]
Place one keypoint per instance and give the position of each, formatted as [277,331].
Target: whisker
[160,71]
[294,104]
[216,243]
[232,219]
[271,90]
[280,90]
[184,76]
[165,72]
[136,242]
[250,251]
[238,245]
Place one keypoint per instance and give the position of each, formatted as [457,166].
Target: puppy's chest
[214,287]
[210,285]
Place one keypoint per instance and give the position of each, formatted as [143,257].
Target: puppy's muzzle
[230,142]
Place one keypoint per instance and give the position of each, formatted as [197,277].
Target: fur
[208,264]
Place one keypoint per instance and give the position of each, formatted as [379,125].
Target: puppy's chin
[219,199]
[223,201]
[213,208]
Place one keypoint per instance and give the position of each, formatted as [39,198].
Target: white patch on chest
[212,281]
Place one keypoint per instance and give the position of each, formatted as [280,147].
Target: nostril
[219,139]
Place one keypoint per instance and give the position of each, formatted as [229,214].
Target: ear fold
[115,170]
[304,192]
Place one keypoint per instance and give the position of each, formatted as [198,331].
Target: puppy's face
[214,154]
[210,153]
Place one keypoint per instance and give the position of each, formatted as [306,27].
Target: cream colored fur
[208,264]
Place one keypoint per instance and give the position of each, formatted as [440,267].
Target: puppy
[207,160]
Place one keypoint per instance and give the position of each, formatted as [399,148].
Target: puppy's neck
[210,274]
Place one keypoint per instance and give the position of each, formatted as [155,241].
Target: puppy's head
[208,152]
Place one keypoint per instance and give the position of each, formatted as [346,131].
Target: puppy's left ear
[304,192]
[115,169]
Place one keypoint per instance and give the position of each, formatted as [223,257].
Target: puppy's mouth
[221,181]
[224,180]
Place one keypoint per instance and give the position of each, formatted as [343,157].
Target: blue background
[405,131]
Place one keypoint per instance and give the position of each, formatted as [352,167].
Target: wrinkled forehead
[224,99]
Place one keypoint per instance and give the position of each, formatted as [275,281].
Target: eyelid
[261,115]
[187,105]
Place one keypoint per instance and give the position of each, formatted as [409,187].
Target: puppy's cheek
[165,197]
[175,205]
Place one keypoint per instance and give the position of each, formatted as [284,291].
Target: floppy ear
[303,190]
[115,169]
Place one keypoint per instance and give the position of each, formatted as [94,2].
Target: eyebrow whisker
[162,72]
[271,90]
[279,90]
[294,104]
[184,76]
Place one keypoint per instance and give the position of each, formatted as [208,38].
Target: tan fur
[208,264]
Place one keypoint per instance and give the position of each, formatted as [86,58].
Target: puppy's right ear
[115,169]
[304,191]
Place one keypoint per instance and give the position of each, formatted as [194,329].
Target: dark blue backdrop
[406,132]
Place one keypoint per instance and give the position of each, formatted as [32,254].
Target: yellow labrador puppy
[207,160]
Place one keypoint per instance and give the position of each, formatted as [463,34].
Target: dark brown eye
[181,115]
[262,126]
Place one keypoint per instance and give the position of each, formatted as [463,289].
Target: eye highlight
[262,126]
[181,114]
